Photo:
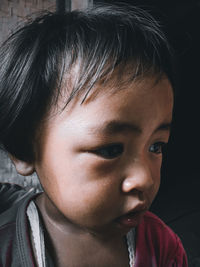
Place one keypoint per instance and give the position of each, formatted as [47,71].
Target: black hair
[36,57]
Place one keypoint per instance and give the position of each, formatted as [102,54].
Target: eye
[157,148]
[109,151]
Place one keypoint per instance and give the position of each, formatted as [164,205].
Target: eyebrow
[114,126]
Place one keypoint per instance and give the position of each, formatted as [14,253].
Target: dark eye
[110,151]
[157,148]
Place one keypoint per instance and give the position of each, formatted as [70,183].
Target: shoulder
[157,231]
[12,196]
[9,193]
[7,239]
[156,226]
[14,235]
[153,235]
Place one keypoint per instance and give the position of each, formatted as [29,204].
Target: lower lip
[131,220]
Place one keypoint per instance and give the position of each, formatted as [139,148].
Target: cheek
[85,194]
[99,187]
[90,205]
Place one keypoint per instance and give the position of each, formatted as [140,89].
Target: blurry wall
[13,13]
[78,4]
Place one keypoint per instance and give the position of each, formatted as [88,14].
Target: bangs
[99,43]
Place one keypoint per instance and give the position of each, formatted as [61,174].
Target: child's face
[101,160]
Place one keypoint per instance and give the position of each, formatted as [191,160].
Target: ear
[24,168]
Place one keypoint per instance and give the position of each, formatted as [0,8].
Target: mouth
[132,218]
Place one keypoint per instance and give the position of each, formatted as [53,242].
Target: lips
[132,218]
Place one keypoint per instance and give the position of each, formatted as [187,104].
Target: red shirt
[157,245]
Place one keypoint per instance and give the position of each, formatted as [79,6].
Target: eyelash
[115,150]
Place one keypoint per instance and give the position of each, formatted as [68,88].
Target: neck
[69,243]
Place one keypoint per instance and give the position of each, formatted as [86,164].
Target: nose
[139,177]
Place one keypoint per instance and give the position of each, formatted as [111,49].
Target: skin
[89,182]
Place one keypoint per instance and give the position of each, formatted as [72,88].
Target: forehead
[138,94]
[148,97]
[122,77]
